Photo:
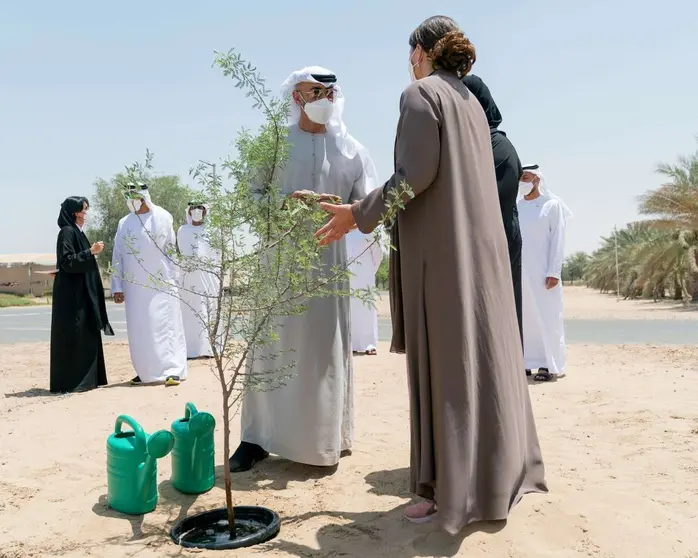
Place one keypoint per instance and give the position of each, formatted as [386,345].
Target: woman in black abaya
[79,313]
[508,169]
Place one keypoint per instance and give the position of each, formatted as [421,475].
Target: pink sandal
[421,512]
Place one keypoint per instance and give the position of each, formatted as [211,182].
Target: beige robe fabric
[474,444]
[310,418]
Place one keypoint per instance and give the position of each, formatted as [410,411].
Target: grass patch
[9,300]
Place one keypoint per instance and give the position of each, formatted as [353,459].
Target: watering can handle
[121,419]
[190,410]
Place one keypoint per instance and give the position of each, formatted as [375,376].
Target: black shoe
[543,375]
[136,381]
[246,456]
[528,372]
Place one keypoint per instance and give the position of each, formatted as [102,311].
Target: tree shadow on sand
[386,533]
[273,474]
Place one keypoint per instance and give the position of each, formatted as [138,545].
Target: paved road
[31,324]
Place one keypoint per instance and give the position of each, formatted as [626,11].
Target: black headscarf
[482,93]
[71,206]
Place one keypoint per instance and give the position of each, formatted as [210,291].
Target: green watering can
[193,456]
[132,470]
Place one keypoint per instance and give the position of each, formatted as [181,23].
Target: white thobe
[146,275]
[198,290]
[542,225]
[365,256]
[310,418]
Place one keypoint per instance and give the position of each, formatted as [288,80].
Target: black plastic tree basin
[209,530]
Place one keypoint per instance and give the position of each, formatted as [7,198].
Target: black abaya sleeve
[71,257]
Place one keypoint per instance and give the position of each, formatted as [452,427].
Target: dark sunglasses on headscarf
[134,191]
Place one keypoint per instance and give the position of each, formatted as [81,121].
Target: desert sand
[619,437]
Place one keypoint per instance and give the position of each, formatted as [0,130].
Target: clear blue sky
[596,92]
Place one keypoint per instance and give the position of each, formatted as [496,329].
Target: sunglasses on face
[317,93]
[132,195]
[134,191]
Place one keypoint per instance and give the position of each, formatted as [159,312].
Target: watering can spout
[157,447]
[146,476]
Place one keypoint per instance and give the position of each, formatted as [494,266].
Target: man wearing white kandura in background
[145,279]
[310,419]
[365,256]
[199,285]
[543,219]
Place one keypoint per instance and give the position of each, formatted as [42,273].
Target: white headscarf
[545,192]
[190,221]
[346,143]
[161,217]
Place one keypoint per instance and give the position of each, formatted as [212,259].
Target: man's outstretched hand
[340,223]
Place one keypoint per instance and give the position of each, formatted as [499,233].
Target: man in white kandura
[543,219]
[198,286]
[145,279]
[365,256]
[310,419]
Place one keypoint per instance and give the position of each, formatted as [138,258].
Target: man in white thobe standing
[310,419]
[365,256]
[198,286]
[543,219]
[145,279]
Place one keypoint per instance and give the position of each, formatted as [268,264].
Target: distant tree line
[657,257]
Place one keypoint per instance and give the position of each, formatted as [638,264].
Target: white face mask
[525,188]
[197,215]
[134,205]
[320,111]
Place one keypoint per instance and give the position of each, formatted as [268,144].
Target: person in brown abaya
[474,446]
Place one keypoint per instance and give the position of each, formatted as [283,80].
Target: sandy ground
[619,436]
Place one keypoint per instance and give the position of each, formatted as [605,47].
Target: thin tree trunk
[226,467]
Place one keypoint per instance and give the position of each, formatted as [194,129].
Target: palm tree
[601,270]
[673,208]
[650,262]
[661,253]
